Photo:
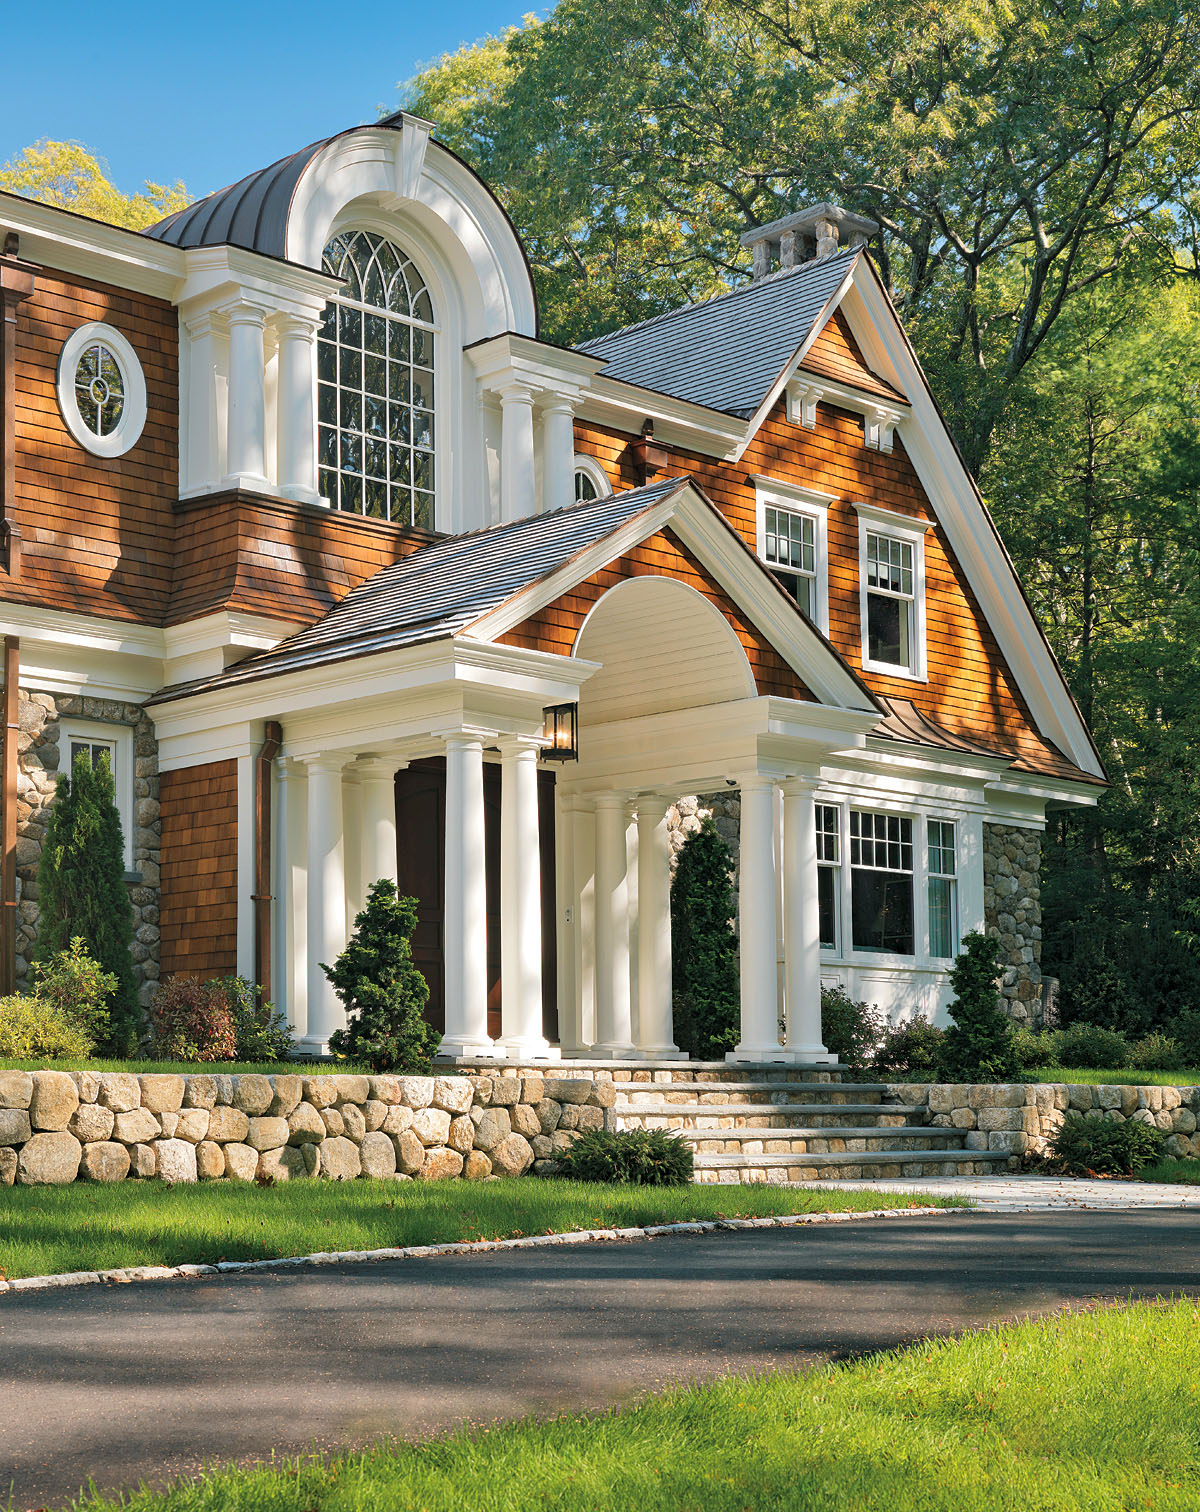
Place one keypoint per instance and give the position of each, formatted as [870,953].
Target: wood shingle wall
[199,870]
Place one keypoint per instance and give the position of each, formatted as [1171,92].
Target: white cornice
[814,498]
[214,274]
[550,370]
[891,519]
[63,241]
[625,406]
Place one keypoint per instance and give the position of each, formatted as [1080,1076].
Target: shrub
[1092,1047]
[704,967]
[260,1029]
[1104,1147]
[979,1045]
[1184,1029]
[909,1047]
[82,892]
[1156,1052]
[1035,1051]
[383,993]
[643,1157]
[33,1029]
[850,1030]
[191,1021]
[78,986]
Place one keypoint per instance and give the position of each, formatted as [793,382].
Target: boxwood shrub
[642,1157]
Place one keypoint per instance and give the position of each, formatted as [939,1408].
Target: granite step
[882,1165]
[750,1115]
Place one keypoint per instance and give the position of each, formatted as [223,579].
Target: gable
[835,353]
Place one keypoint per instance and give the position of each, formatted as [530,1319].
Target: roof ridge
[701,304]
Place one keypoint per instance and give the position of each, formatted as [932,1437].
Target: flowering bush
[192,1021]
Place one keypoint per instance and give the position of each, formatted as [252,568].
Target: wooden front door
[421,852]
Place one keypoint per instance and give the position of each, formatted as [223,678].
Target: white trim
[133,410]
[593,470]
[120,738]
[880,416]
[911,533]
[814,506]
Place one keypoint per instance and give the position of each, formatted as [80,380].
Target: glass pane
[88,408]
[423,511]
[400,423]
[351,410]
[422,469]
[375,416]
[942,930]
[350,367]
[399,346]
[941,847]
[326,404]
[375,458]
[375,332]
[401,464]
[351,493]
[827,832]
[375,375]
[887,630]
[882,911]
[110,413]
[422,309]
[351,449]
[422,348]
[827,878]
[422,388]
[375,499]
[422,424]
[350,326]
[327,484]
[326,361]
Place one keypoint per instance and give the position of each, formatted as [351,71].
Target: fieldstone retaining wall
[1012,912]
[42,756]
[62,1126]
[1022,1119]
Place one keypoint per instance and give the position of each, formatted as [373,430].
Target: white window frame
[911,532]
[594,471]
[129,427]
[941,876]
[120,739]
[775,493]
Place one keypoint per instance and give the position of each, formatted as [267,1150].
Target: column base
[811,1055]
[781,1054]
[516,1049]
[662,1052]
[301,495]
[252,482]
[312,1047]
[614,1052]
[464,1047]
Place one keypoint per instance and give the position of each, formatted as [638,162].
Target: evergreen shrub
[82,891]
[1092,1047]
[642,1157]
[382,991]
[1104,1147]
[704,964]
[850,1030]
[1156,1052]
[911,1048]
[979,1045]
[192,1021]
[1035,1049]
[31,1028]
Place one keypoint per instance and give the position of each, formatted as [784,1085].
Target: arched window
[375,350]
[591,482]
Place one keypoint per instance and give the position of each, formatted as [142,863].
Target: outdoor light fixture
[561,730]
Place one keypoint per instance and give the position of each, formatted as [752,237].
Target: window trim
[910,531]
[940,876]
[594,471]
[120,737]
[775,493]
[129,427]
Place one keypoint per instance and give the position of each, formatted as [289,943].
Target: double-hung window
[792,541]
[99,742]
[881,882]
[892,592]
[943,889]
[829,873]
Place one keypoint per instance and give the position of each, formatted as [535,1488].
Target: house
[305,525]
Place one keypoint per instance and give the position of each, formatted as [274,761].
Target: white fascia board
[626,406]
[960,511]
[67,242]
[513,358]
[750,585]
[216,274]
[74,653]
[253,632]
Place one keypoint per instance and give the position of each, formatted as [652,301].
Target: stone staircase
[774,1123]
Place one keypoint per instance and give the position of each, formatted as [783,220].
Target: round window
[101,390]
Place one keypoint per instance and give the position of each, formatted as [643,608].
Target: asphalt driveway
[148,1381]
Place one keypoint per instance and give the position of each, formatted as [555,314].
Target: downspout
[8,817]
[262,896]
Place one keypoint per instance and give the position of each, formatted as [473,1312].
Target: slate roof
[727,352]
[441,589]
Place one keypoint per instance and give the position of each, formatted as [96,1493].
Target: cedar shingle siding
[199,869]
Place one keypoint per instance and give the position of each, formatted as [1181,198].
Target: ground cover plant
[1059,1415]
[1173,1172]
[49,1230]
[643,1157]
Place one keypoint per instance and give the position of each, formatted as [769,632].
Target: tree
[704,961]
[82,892]
[979,1044]
[383,993]
[68,175]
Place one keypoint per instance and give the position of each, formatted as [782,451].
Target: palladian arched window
[375,422]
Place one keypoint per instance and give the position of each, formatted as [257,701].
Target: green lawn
[1095,1412]
[50,1230]
[1124,1078]
[1175,1172]
[188,1068]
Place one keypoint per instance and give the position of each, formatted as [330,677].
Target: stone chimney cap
[806,220]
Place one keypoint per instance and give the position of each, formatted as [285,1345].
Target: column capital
[515,393]
[521,745]
[557,404]
[328,761]
[292,327]
[611,800]
[376,768]
[755,782]
[798,787]
[244,312]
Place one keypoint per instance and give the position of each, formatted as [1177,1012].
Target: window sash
[790,550]
[881,883]
[941,835]
[890,565]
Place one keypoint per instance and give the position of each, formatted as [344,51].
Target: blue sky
[207,92]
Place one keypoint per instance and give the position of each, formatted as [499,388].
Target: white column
[377,780]
[326,897]
[516,452]
[614,1033]
[521,905]
[200,466]
[656,1035]
[247,402]
[558,462]
[465,918]
[352,841]
[756,900]
[247,857]
[297,428]
[293,782]
[802,926]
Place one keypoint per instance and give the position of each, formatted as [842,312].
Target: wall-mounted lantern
[561,730]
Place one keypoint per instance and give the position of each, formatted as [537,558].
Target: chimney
[819,231]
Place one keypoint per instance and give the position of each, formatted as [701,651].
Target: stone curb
[474,1247]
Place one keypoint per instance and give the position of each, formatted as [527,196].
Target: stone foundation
[61,1126]
[40,761]
[1012,911]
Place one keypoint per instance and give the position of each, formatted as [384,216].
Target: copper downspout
[262,896]
[8,817]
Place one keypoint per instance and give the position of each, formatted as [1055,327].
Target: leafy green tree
[704,961]
[68,175]
[979,1045]
[383,993]
[82,892]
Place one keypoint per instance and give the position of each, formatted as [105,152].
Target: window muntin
[790,548]
[943,888]
[891,600]
[99,388]
[829,872]
[881,882]
[375,384]
[585,487]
